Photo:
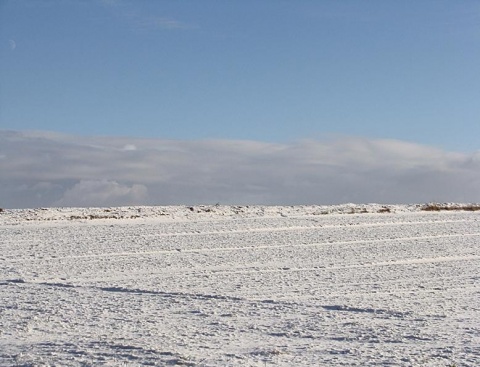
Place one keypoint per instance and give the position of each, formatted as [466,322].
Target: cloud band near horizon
[43,169]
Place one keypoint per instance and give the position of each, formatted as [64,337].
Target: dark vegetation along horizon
[385,208]
[120,212]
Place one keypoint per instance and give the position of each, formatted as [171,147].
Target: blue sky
[122,102]
[274,71]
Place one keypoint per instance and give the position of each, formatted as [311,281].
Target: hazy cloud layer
[48,169]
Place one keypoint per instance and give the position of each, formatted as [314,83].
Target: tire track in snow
[430,260]
[237,248]
[283,228]
[256,269]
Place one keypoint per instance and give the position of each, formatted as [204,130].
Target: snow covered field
[240,286]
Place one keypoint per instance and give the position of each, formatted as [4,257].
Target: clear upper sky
[268,70]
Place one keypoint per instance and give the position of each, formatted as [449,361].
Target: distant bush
[434,207]
[100,216]
[385,209]
[431,208]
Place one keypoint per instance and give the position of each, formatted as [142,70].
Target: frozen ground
[240,286]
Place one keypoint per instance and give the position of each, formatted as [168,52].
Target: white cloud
[128,147]
[102,193]
[13,44]
[81,171]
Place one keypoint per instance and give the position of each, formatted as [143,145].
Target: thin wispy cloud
[140,21]
[152,23]
[47,169]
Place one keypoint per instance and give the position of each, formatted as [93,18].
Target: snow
[349,285]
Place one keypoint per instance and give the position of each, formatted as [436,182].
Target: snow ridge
[209,212]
